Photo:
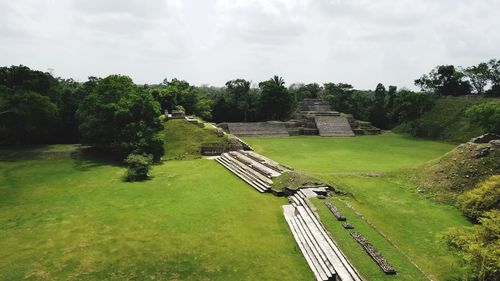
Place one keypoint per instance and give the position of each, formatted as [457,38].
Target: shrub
[479,246]
[138,166]
[484,197]
[486,115]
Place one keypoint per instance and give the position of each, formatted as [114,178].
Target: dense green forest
[36,107]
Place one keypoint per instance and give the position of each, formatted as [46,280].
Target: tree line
[36,107]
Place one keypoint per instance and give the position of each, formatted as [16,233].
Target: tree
[391,95]
[276,103]
[445,80]
[119,117]
[494,78]
[408,105]
[302,91]
[486,115]
[339,96]
[378,112]
[29,106]
[28,116]
[478,76]
[238,93]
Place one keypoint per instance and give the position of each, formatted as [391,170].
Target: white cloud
[356,41]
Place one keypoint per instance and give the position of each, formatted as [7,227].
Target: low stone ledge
[335,211]
[374,254]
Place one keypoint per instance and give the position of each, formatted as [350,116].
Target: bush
[138,166]
[479,246]
[486,115]
[484,197]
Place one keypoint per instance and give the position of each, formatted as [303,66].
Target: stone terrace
[258,129]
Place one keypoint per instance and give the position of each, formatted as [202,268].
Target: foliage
[484,197]
[445,80]
[275,102]
[239,98]
[408,105]
[174,93]
[378,113]
[479,246]
[446,120]
[120,117]
[29,105]
[27,117]
[301,91]
[339,96]
[486,115]
[479,76]
[138,166]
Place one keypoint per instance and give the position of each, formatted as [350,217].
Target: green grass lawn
[70,219]
[370,169]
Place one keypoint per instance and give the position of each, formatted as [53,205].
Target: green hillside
[183,139]
[446,121]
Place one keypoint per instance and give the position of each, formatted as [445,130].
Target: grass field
[370,169]
[68,219]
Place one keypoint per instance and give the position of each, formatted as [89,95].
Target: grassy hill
[183,139]
[446,121]
[458,170]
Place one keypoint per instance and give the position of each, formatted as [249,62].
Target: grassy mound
[445,121]
[459,170]
[293,180]
[183,139]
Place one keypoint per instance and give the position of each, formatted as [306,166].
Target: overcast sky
[212,41]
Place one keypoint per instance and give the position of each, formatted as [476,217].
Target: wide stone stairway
[253,168]
[320,251]
[333,126]
[258,129]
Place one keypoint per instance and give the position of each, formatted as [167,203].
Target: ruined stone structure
[313,117]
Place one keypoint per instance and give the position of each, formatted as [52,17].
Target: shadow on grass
[13,153]
[87,158]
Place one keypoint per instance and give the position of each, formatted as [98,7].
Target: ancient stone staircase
[333,126]
[320,251]
[254,169]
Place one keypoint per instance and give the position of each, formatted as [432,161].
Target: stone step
[319,249]
[288,212]
[333,126]
[263,169]
[259,187]
[343,267]
[240,169]
[243,177]
[266,161]
[248,169]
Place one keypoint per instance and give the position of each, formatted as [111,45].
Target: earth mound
[462,168]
